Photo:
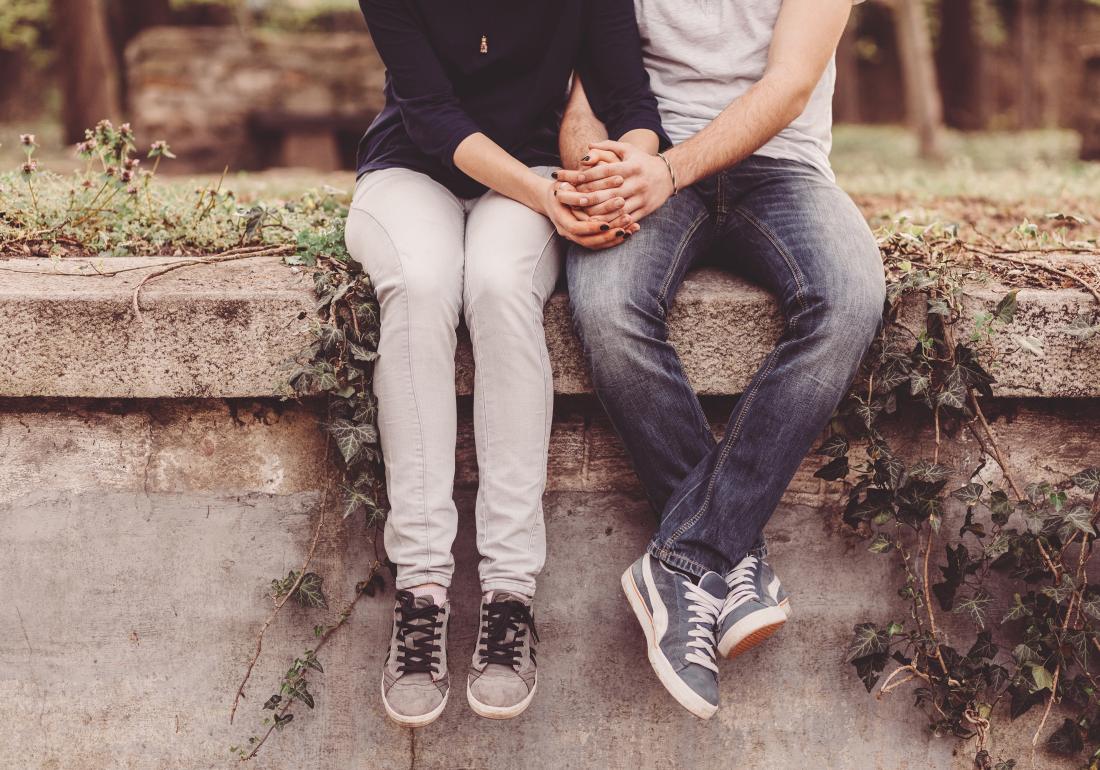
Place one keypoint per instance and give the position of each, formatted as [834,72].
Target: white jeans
[433,256]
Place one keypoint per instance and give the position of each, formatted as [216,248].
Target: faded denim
[792,230]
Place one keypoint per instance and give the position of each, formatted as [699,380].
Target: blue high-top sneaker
[678,617]
[756,607]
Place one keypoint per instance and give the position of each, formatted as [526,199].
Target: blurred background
[259,84]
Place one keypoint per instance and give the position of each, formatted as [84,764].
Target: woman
[454,215]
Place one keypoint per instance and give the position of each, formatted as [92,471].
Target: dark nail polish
[554,175]
[585,158]
[626,235]
[604,228]
[619,234]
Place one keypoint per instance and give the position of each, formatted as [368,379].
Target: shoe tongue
[507,596]
[423,601]
[414,601]
[714,584]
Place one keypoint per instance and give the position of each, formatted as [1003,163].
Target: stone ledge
[224,331]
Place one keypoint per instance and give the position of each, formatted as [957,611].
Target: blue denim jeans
[795,232]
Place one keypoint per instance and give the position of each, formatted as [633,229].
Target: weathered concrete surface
[223,331]
[138,539]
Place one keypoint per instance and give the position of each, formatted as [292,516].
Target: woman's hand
[578,227]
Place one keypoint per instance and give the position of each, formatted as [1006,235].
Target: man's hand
[646,182]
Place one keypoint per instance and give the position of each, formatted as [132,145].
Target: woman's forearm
[643,139]
[482,159]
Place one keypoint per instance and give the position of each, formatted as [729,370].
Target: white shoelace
[742,584]
[706,609]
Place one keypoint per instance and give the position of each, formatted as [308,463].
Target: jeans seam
[681,247]
[735,434]
[763,229]
[412,388]
[537,327]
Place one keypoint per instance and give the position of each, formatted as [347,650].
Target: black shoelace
[503,619]
[418,635]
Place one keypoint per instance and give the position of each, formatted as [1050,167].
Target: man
[745,89]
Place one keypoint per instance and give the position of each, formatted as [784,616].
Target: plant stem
[343,618]
[279,603]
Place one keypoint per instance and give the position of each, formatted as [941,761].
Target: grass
[995,166]
[989,182]
[869,161]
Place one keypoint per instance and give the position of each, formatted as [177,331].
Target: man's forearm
[579,128]
[741,129]
[805,39]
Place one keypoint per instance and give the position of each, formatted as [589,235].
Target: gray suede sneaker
[678,617]
[415,682]
[503,675]
[757,606]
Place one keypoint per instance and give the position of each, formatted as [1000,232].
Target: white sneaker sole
[753,629]
[500,712]
[683,694]
[415,721]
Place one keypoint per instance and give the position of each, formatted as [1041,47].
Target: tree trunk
[88,66]
[1023,44]
[846,102]
[922,94]
[959,63]
[125,20]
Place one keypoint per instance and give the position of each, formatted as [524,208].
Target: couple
[462,210]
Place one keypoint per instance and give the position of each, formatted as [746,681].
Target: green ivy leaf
[1042,678]
[1006,308]
[867,640]
[880,543]
[998,546]
[360,353]
[1088,480]
[976,607]
[1067,740]
[310,591]
[953,394]
[1078,518]
[351,437]
[834,446]
[971,494]
[834,470]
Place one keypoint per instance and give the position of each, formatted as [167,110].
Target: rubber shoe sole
[500,712]
[750,631]
[416,721]
[683,694]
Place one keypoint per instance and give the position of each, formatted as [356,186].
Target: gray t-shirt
[703,54]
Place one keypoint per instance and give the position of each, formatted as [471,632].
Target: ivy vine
[1032,541]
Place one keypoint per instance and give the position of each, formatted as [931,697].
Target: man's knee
[849,310]
[609,308]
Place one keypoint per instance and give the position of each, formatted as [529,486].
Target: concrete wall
[149,492]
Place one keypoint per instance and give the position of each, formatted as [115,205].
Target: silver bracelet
[671,172]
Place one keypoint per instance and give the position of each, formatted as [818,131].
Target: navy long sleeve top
[502,68]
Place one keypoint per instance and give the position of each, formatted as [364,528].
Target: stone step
[223,331]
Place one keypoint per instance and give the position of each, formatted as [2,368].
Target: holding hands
[617,185]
